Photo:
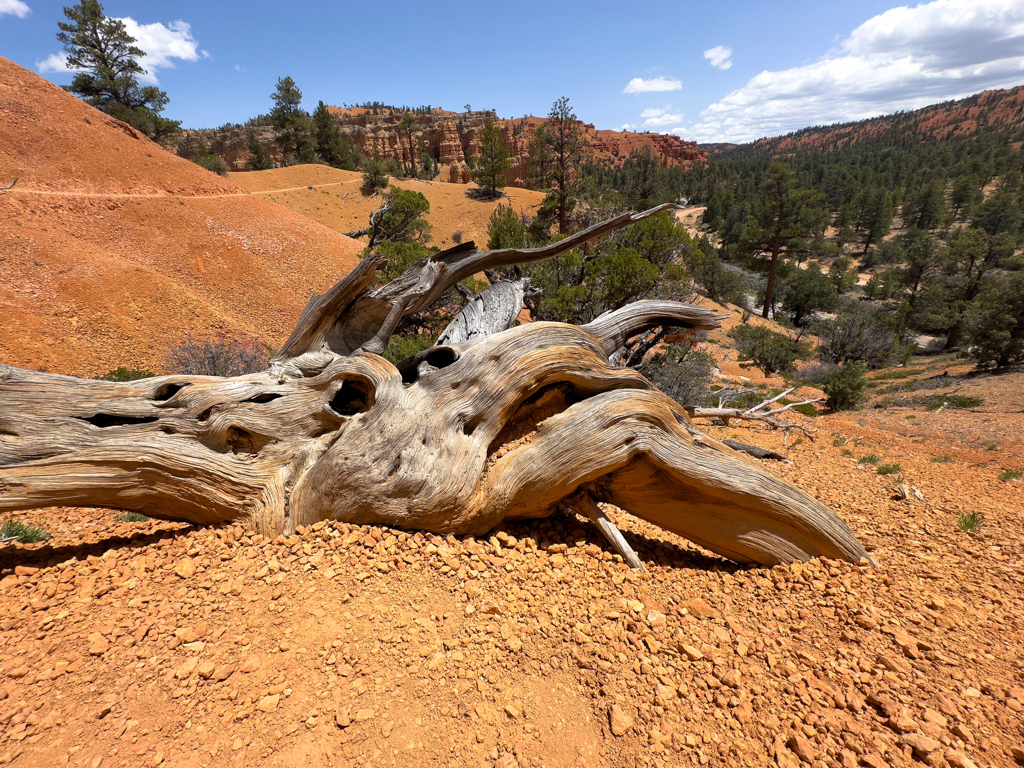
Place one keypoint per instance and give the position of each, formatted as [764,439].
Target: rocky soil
[159,644]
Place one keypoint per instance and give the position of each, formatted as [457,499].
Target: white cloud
[625,127]
[239,68]
[14,8]
[655,118]
[719,56]
[161,43]
[903,59]
[660,83]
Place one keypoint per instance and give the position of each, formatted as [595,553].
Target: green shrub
[25,533]
[869,459]
[132,517]
[1010,474]
[204,158]
[969,521]
[847,452]
[844,386]
[839,441]
[403,347]
[807,409]
[941,460]
[125,374]
[767,350]
[956,401]
[889,469]
[992,447]
[375,177]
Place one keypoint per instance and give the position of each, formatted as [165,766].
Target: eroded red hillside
[111,249]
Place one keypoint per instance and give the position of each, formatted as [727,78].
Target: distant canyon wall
[451,139]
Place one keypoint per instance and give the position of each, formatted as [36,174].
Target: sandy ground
[332,198]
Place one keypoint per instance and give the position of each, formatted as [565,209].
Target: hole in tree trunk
[264,397]
[242,441]
[353,397]
[435,357]
[166,391]
[104,420]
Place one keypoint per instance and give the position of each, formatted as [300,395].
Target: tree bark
[494,425]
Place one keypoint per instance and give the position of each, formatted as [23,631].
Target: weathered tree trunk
[493,425]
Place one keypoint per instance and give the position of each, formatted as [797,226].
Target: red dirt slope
[111,249]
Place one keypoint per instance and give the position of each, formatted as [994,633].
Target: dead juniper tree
[492,423]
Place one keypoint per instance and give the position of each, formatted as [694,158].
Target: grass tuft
[26,533]
[969,521]
[1010,474]
[869,459]
[941,460]
[889,469]
[132,517]
[839,441]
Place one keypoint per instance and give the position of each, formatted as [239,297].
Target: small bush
[767,350]
[807,409]
[845,386]
[403,347]
[992,447]
[889,469]
[132,517]
[25,533]
[457,237]
[204,158]
[969,521]
[125,374]
[216,356]
[941,460]
[375,177]
[869,459]
[1010,474]
[682,372]
[847,452]
[839,441]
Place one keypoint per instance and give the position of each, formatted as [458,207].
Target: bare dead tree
[495,424]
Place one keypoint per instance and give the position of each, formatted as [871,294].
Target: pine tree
[259,159]
[493,161]
[407,126]
[294,128]
[564,138]
[108,59]
[783,216]
[333,148]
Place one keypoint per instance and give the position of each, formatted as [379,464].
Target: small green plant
[889,469]
[25,533]
[132,517]
[126,374]
[798,441]
[847,452]
[1010,474]
[992,447]
[969,521]
[839,441]
[910,417]
[844,386]
[941,460]
[954,401]
[869,459]
[807,409]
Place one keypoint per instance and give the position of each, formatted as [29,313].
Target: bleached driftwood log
[502,425]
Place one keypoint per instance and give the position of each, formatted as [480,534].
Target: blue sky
[710,72]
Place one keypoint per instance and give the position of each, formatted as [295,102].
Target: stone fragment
[250,664]
[223,672]
[619,720]
[363,715]
[921,744]
[958,759]
[802,747]
[269,703]
[185,568]
[99,646]
[691,653]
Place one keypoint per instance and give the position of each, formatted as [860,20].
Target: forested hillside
[909,223]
